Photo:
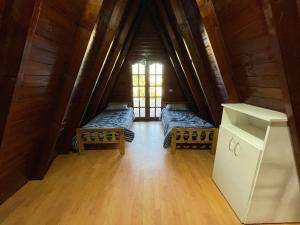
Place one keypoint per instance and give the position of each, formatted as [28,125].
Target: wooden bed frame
[205,136]
[94,136]
[210,142]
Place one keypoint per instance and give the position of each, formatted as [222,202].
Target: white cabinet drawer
[235,170]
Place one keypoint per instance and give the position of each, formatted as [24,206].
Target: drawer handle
[237,149]
[230,143]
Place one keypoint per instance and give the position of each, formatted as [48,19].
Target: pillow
[116,106]
[177,107]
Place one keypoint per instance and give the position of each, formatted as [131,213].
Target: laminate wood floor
[147,186]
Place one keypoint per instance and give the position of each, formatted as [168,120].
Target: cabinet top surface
[258,112]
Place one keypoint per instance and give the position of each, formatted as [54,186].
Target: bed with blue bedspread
[187,124]
[115,119]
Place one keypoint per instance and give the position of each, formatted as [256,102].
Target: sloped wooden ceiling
[149,44]
[58,55]
[146,45]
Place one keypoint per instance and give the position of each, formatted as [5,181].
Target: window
[139,89]
[147,81]
[155,86]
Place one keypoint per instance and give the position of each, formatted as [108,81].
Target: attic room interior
[143,112]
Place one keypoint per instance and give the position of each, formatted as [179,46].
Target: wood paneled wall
[298,6]
[247,39]
[66,85]
[2,5]
[146,45]
[34,98]
[216,74]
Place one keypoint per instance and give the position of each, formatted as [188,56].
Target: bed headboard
[130,104]
[178,102]
[164,103]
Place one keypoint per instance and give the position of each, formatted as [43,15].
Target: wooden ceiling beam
[120,62]
[184,64]
[101,86]
[172,58]
[197,61]
[16,32]
[284,29]
[99,48]
[211,23]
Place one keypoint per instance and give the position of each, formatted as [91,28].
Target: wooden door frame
[147,63]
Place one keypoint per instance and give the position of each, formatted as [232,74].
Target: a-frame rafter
[101,86]
[182,57]
[211,24]
[172,57]
[197,61]
[92,66]
[121,60]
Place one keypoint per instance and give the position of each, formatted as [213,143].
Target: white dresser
[255,167]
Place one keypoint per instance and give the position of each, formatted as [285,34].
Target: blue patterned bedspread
[180,119]
[112,119]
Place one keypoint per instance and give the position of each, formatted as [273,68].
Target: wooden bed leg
[215,141]
[122,142]
[79,141]
[173,142]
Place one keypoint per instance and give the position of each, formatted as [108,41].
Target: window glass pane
[152,91]
[136,112]
[158,102]
[159,91]
[135,91]
[142,80]
[152,102]
[158,68]
[141,69]
[152,112]
[152,69]
[142,102]
[136,102]
[142,91]
[142,112]
[158,112]
[152,80]
[135,69]
[158,80]
[135,81]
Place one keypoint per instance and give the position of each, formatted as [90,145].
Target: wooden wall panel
[122,90]
[34,98]
[106,31]
[146,45]
[2,5]
[298,6]
[66,85]
[216,74]
[246,36]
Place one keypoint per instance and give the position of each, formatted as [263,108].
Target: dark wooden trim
[185,65]
[17,28]
[105,33]
[284,28]
[101,86]
[172,58]
[120,62]
[196,60]
[48,153]
[16,33]
[212,26]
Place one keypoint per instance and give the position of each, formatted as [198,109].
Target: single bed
[184,129]
[112,126]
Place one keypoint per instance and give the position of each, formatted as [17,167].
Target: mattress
[180,119]
[112,119]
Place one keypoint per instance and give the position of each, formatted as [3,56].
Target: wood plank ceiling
[60,59]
